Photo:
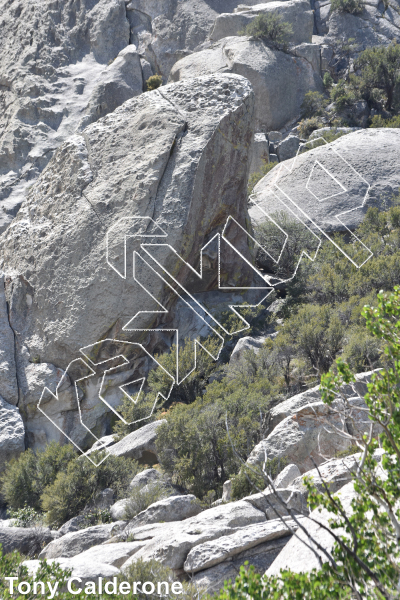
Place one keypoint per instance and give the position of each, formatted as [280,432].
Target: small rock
[145,477]
[118,509]
[74,524]
[287,476]
[275,136]
[273,158]
[246,343]
[104,499]
[288,147]
[227,491]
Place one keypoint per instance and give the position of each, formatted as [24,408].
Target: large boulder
[189,145]
[51,61]
[244,344]
[280,81]
[12,433]
[211,553]
[77,542]
[307,438]
[174,508]
[295,555]
[297,13]
[140,444]
[111,554]
[166,30]
[333,185]
[26,540]
[172,542]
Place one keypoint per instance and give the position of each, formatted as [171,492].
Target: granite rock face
[188,144]
[280,81]
[12,433]
[52,56]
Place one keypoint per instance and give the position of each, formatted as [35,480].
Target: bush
[328,81]
[354,7]
[379,121]
[194,446]
[283,238]
[141,498]
[153,82]
[270,29]
[155,572]
[365,558]
[26,477]
[74,489]
[26,517]
[251,480]
[258,175]
[313,104]
[380,70]
[307,126]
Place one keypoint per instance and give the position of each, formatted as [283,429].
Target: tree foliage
[365,560]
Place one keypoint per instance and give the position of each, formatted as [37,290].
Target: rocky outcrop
[84,570]
[334,185]
[140,444]
[295,555]
[287,476]
[189,145]
[12,433]
[297,13]
[26,540]
[52,58]
[307,438]
[244,344]
[165,31]
[77,542]
[174,508]
[8,371]
[280,81]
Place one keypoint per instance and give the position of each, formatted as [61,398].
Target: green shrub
[380,70]
[194,446]
[354,7]
[251,479]
[313,104]
[26,477]
[141,498]
[271,29]
[258,175]
[26,517]
[344,94]
[153,82]
[307,126]
[379,121]
[283,238]
[327,79]
[364,561]
[155,572]
[75,488]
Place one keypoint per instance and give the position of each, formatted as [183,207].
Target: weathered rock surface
[335,474]
[189,143]
[12,433]
[296,556]
[280,81]
[244,344]
[85,570]
[214,552]
[273,506]
[287,476]
[173,541]
[174,508]
[118,509]
[77,542]
[26,540]
[111,554]
[308,437]
[145,477]
[52,57]
[260,557]
[355,178]
[297,13]
[165,31]
[8,369]
[292,405]
[138,443]
[259,152]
